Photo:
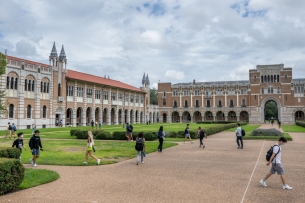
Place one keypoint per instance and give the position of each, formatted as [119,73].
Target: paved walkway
[185,173]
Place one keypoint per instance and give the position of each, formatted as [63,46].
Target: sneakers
[142,162]
[184,142]
[31,160]
[85,162]
[264,183]
[137,162]
[238,147]
[35,165]
[98,162]
[287,187]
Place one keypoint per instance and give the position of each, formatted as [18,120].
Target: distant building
[46,94]
[235,100]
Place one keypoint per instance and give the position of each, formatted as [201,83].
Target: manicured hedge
[215,122]
[94,131]
[302,124]
[266,132]
[10,153]
[103,136]
[11,170]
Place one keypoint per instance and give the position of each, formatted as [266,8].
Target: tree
[271,110]
[154,96]
[2,92]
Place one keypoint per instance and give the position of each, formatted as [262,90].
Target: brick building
[243,100]
[45,94]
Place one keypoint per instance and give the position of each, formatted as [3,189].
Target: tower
[53,56]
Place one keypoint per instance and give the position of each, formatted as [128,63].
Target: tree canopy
[271,110]
[2,92]
[154,96]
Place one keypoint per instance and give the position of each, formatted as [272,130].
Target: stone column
[108,117]
[226,117]
[128,116]
[116,117]
[74,114]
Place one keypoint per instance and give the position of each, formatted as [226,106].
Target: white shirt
[238,132]
[277,158]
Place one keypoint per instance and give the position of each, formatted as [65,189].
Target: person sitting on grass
[90,147]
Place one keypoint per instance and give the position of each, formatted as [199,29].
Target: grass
[248,137]
[248,128]
[72,152]
[34,177]
[293,128]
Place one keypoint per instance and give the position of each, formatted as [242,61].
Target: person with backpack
[276,166]
[14,129]
[34,145]
[201,135]
[8,130]
[129,132]
[140,147]
[187,133]
[161,137]
[90,148]
[239,137]
[18,143]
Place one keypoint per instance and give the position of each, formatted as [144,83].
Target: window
[219,103]
[142,100]
[97,94]
[80,91]
[231,103]
[243,91]
[197,92]
[44,112]
[197,103]
[219,92]
[185,92]
[285,76]
[185,103]
[120,96]
[210,115]
[262,79]
[69,91]
[48,85]
[33,85]
[164,93]
[231,92]
[270,90]
[7,82]
[262,90]
[278,90]
[16,83]
[12,83]
[175,103]
[254,78]
[126,98]
[11,111]
[89,93]
[25,85]
[175,93]
[208,103]
[164,102]
[243,102]
[113,96]
[131,98]
[105,95]
[28,111]
[59,89]
[137,99]
[298,114]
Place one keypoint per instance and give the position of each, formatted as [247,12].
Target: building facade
[45,94]
[243,100]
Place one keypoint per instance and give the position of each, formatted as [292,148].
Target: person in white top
[276,164]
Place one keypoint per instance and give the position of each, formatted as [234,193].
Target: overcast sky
[171,40]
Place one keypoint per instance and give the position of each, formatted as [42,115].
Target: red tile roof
[27,61]
[100,80]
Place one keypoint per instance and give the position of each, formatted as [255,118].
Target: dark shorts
[278,168]
[35,152]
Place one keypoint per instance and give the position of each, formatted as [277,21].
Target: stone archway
[263,104]
[175,117]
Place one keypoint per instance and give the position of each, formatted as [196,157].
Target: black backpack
[202,133]
[159,134]
[243,133]
[186,131]
[9,127]
[131,128]
[270,152]
[139,144]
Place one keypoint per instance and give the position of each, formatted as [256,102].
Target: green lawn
[72,152]
[293,128]
[34,177]
[248,128]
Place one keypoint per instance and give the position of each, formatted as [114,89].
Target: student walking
[272,121]
[35,143]
[92,124]
[279,123]
[18,143]
[239,137]
[140,147]
[90,148]
[9,130]
[33,128]
[187,133]
[277,164]
[99,124]
[201,135]
[161,137]
[129,132]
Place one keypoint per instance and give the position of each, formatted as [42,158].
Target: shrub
[119,135]
[81,134]
[302,124]
[103,136]
[266,132]
[72,132]
[10,153]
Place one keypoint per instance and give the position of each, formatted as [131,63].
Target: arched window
[7,82]
[16,83]
[11,111]
[48,87]
[29,86]
[44,112]
[185,103]
[59,90]
[255,78]
[231,103]
[28,111]
[33,85]
[44,87]
[219,103]
[12,83]
[25,85]
[164,93]
[175,103]
[208,103]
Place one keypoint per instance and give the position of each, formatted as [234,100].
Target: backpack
[139,144]
[159,134]
[243,133]
[202,133]
[185,131]
[270,152]
[131,128]
[9,127]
